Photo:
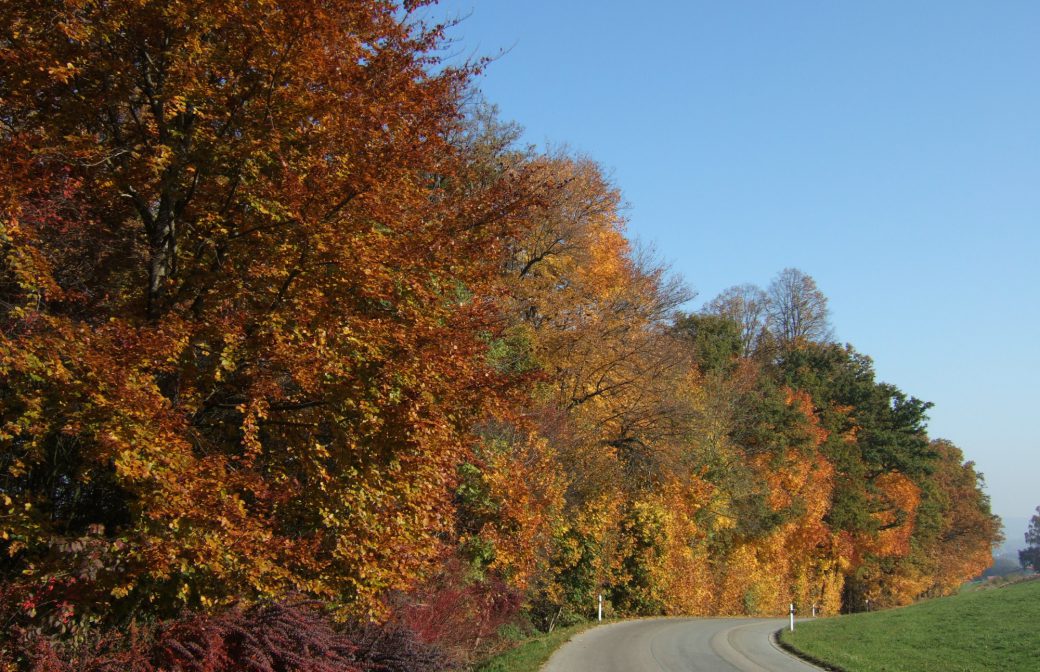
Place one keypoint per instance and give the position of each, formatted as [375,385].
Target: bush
[288,636]
[395,648]
[460,613]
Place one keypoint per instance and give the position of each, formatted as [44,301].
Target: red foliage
[458,614]
[291,636]
[393,647]
[270,638]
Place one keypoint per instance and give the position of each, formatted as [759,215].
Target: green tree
[715,340]
[1030,556]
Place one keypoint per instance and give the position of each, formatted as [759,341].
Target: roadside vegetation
[531,654]
[974,631]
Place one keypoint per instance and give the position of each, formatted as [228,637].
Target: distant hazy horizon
[1014,536]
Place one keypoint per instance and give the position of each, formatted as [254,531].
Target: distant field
[997,629]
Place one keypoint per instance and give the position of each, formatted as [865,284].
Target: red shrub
[291,636]
[281,637]
[393,647]
[460,614]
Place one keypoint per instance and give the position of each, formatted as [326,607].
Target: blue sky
[889,149]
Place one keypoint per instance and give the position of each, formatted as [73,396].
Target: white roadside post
[792,617]
[814,610]
[601,606]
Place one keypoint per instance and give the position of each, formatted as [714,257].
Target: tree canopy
[283,313]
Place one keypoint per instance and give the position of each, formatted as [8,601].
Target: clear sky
[891,150]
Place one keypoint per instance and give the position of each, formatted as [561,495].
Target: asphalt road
[674,644]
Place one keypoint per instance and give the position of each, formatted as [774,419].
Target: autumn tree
[955,531]
[280,313]
[879,447]
[597,314]
[591,316]
[246,302]
[875,427]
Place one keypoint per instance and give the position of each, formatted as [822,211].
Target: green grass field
[532,654]
[978,631]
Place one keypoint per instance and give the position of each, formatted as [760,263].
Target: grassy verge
[531,654]
[977,631]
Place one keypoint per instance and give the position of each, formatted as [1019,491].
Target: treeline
[282,316]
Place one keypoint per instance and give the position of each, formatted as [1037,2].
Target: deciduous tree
[246,303]
[747,306]
[797,309]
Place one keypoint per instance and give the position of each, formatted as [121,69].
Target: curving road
[674,644]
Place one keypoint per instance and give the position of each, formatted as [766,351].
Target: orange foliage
[901,496]
[523,500]
[688,586]
[249,310]
[271,321]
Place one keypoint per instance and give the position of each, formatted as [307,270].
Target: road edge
[607,623]
[797,653]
